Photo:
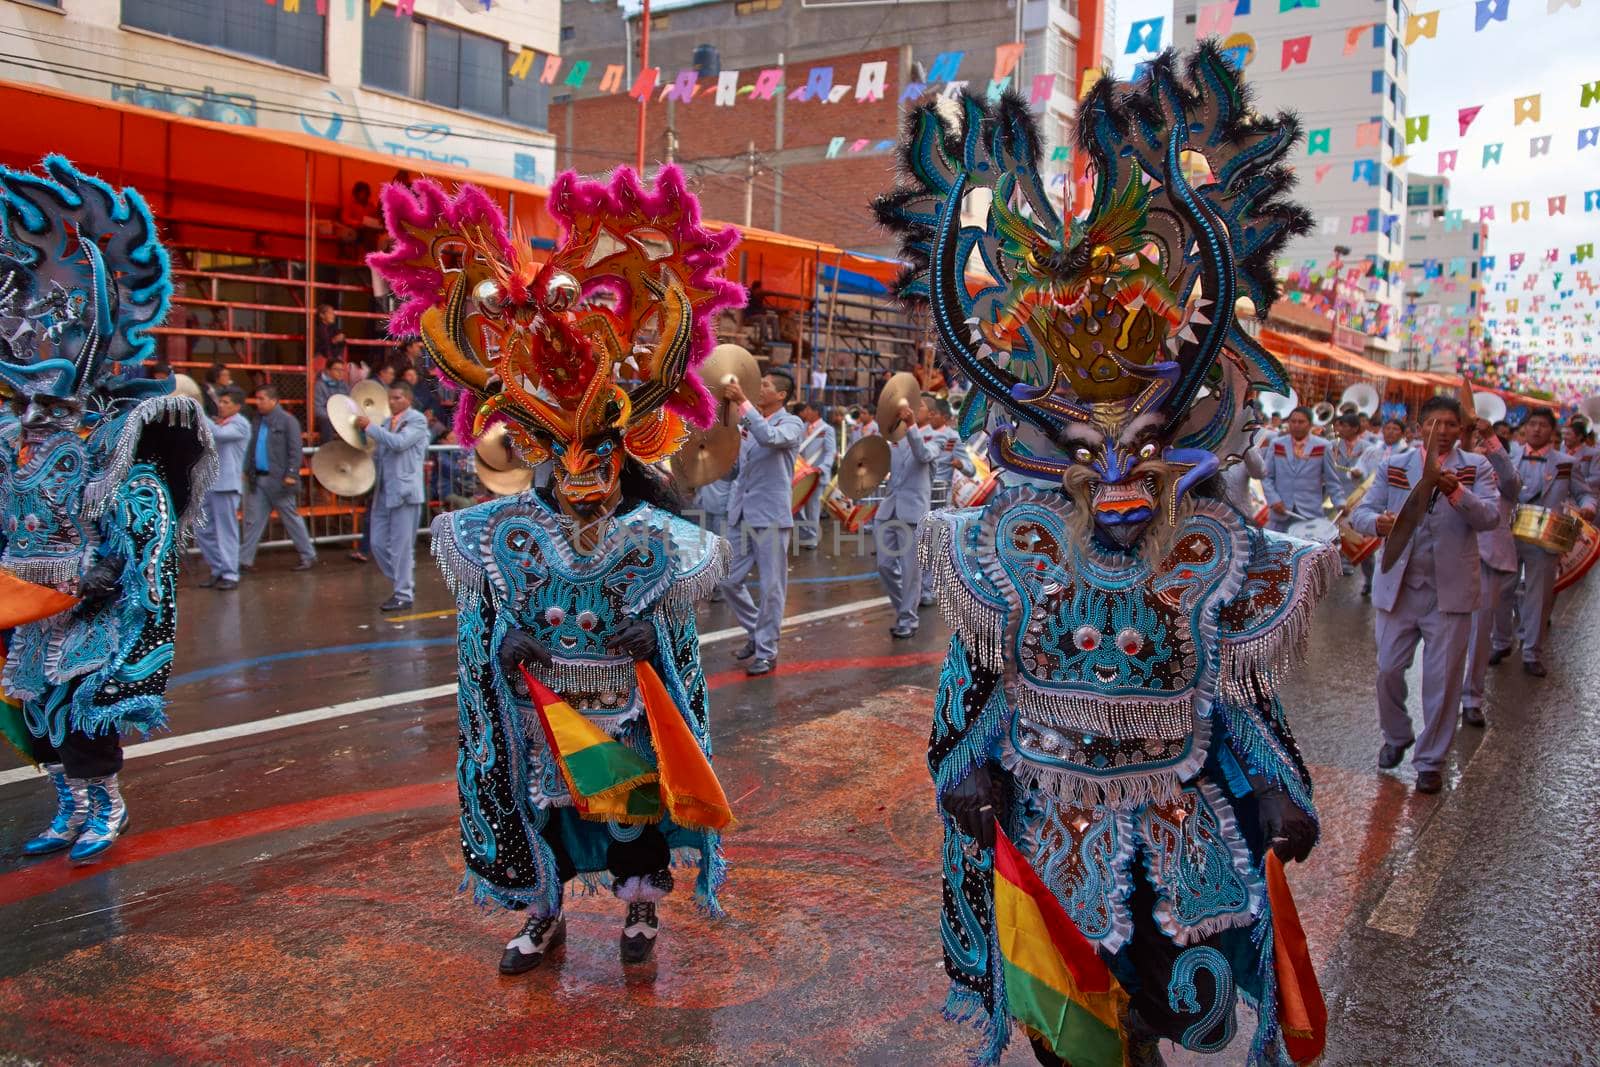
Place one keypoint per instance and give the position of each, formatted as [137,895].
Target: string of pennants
[1216,20]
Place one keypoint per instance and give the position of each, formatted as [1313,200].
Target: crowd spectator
[272,468]
[331,381]
[218,380]
[328,340]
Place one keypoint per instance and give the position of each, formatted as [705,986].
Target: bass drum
[806,484]
[1577,560]
[969,492]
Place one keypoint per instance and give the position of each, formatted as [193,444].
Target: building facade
[1341,66]
[1443,318]
[803,153]
[433,84]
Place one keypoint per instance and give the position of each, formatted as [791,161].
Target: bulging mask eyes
[1083,455]
[1130,641]
[605,448]
[562,291]
[488,297]
[1148,451]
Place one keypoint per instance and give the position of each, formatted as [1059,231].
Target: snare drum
[969,492]
[807,482]
[1324,531]
[1546,528]
[1576,563]
[1355,547]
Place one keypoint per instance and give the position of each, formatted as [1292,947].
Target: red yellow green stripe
[607,779]
[1057,986]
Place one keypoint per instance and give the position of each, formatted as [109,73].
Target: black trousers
[82,755]
[644,855]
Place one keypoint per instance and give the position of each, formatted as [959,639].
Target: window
[1394,47]
[569,33]
[1377,36]
[750,7]
[660,22]
[451,68]
[247,27]
[1417,195]
[1377,82]
[1474,248]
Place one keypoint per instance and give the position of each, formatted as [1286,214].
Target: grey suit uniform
[274,484]
[1549,480]
[398,497]
[1429,597]
[894,527]
[219,537]
[1493,622]
[819,446]
[1300,483]
[712,501]
[760,522]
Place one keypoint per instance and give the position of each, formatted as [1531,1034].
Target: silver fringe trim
[458,569]
[1268,660]
[611,675]
[61,572]
[1122,792]
[1117,717]
[685,592]
[979,624]
[172,410]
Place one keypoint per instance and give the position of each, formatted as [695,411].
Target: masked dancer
[101,470]
[1108,749]
[584,723]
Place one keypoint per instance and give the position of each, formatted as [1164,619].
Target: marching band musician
[1429,595]
[818,447]
[1300,473]
[1391,444]
[1576,438]
[760,515]
[1492,624]
[1549,480]
[1347,452]
[948,457]
[894,527]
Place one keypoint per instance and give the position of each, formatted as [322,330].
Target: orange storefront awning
[255,191]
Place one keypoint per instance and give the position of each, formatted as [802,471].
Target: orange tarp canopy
[249,190]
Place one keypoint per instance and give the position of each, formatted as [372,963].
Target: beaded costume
[102,468]
[1120,631]
[584,359]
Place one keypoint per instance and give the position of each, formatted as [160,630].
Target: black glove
[101,582]
[1285,829]
[636,637]
[974,803]
[518,647]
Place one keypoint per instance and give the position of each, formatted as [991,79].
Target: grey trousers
[898,569]
[394,545]
[1444,636]
[808,524]
[1538,594]
[219,537]
[266,496]
[1492,628]
[766,549]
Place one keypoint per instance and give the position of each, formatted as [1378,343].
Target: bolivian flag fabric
[1057,986]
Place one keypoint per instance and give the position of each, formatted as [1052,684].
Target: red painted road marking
[56,873]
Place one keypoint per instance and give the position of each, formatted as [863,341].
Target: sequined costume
[1120,630]
[548,349]
[102,470]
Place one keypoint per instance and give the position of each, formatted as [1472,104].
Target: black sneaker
[540,935]
[394,603]
[225,584]
[208,582]
[639,932]
[745,651]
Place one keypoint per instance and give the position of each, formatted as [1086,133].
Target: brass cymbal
[864,467]
[342,413]
[494,450]
[372,398]
[343,469]
[518,479]
[706,456]
[730,361]
[902,389]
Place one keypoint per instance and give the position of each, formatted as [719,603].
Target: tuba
[1361,398]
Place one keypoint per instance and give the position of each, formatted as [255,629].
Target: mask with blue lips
[1108,352]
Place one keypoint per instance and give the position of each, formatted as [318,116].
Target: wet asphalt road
[286,896]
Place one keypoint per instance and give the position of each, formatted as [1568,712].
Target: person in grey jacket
[1550,479]
[1300,473]
[1493,624]
[819,447]
[894,526]
[219,536]
[1430,593]
[272,471]
[398,497]
[760,519]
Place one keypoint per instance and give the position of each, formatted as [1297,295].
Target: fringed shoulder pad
[950,544]
[170,430]
[1266,626]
